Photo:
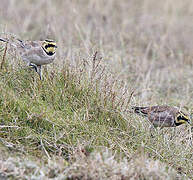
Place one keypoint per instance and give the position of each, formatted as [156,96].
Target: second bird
[163,116]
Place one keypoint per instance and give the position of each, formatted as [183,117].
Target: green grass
[42,110]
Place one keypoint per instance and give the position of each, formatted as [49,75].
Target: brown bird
[163,116]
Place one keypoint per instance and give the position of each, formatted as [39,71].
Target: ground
[77,123]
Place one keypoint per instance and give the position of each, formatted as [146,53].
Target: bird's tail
[140,110]
[4,40]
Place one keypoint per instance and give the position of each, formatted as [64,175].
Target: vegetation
[76,123]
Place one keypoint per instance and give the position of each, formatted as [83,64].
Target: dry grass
[143,47]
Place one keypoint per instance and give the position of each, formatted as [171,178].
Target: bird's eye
[179,117]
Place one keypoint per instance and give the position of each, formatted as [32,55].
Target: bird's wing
[165,117]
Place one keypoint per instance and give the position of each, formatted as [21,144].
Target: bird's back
[158,115]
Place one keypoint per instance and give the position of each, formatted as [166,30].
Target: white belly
[35,59]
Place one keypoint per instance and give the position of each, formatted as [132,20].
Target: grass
[45,108]
[75,123]
[66,116]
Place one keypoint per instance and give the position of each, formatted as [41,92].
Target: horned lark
[34,53]
[163,116]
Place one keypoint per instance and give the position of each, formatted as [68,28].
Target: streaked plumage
[163,116]
[34,53]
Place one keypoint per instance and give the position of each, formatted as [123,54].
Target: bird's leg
[37,68]
[152,129]
[39,71]
[34,67]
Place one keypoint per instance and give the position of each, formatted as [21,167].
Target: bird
[163,116]
[34,53]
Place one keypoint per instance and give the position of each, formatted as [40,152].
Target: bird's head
[181,118]
[49,47]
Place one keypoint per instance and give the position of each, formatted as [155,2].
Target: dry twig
[4,54]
